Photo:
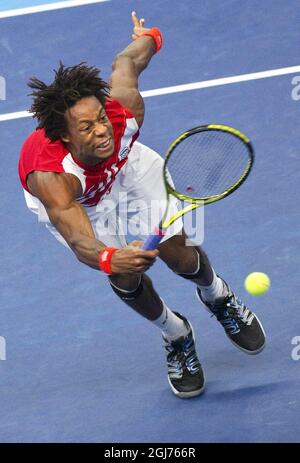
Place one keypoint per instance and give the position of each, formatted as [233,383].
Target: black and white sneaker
[240,324]
[185,373]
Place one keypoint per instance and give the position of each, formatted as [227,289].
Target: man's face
[90,133]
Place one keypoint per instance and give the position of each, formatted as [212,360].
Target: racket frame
[156,236]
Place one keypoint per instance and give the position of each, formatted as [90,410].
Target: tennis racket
[202,166]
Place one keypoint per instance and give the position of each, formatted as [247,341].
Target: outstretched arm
[127,67]
[58,192]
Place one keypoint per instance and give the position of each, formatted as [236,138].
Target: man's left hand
[138,26]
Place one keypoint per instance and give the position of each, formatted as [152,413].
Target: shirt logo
[123,153]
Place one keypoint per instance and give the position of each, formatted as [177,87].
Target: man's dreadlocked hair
[70,85]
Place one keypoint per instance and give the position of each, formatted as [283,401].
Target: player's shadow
[211,396]
[240,393]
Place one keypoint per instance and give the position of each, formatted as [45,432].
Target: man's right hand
[133,259]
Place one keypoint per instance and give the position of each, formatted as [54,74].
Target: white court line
[12,116]
[188,87]
[47,7]
[222,81]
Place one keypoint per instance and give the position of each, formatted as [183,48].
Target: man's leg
[241,325]
[141,203]
[185,374]
[192,263]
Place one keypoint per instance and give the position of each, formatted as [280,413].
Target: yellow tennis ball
[257,283]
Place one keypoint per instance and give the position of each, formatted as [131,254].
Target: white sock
[171,325]
[215,290]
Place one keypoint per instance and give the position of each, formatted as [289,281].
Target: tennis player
[83,166]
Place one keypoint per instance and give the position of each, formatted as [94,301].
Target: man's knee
[125,281]
[127,287]
[177,255]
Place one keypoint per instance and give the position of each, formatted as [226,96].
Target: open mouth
[104,145]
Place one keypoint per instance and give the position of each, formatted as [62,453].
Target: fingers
[133,259]
[135,243]
[142,266]
[136,21]
[152,254]
[147,255]
[143,253]
[141,257]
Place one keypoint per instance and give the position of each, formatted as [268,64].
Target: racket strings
[207,163]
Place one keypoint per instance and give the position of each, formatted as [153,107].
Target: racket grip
[153,240]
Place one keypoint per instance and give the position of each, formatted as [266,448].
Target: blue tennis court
[76,365]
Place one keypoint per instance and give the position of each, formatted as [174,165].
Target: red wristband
[105,259]
[157,37]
